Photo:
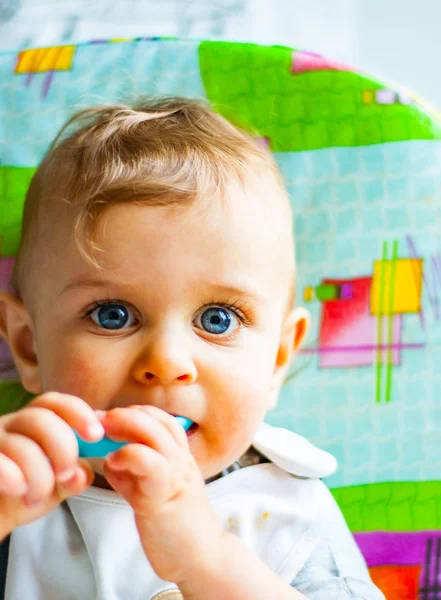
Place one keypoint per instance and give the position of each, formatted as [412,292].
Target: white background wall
[396,39]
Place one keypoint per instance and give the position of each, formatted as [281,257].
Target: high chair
[361,158]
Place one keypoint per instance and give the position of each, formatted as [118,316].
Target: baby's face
[192,301]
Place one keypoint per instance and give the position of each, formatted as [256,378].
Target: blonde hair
[159,152]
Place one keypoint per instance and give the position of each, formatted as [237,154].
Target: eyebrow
[222,288]
[86,283]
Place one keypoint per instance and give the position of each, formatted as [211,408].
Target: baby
[155,279]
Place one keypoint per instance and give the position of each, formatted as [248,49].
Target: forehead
[242,238]
[242,225]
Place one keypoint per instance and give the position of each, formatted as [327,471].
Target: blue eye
[111,316]
[217,320]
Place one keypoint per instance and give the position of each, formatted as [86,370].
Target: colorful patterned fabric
[362,162]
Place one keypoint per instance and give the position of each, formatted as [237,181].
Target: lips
[190,432]
[185,422]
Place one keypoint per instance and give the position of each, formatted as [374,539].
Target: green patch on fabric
[13,396]
[14,183]
[397,506]
[255,87]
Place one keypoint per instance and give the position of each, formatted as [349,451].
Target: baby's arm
[235,574]
[180,532]
[39,462]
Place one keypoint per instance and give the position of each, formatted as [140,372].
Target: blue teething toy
[105,446]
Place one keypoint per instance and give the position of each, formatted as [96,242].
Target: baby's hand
[39,463]
[160,479]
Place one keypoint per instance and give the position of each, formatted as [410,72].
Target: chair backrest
[362,162]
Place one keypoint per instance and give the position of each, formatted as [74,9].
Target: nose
[166,359]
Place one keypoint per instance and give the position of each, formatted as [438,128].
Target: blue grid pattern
[346,202]
[28,122]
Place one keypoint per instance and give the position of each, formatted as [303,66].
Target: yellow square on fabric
[40,60]
[408,275]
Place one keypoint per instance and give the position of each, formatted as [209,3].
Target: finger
[122,482]
[30,459]
[136,426]
[75,411]
[147,472]
[138,459]
[12,480]
[54,436]
[83,478]
[169,421]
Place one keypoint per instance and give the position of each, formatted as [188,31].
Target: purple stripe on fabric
[354,348]
[399,548]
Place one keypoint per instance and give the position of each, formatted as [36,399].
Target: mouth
[188,425]
[192,430]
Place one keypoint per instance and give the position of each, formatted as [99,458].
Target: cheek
[81,375]
[240,391]
[230,428]
[74,375]
[249,375]
[239,405]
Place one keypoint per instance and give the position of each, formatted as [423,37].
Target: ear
[294,330]
[17,328]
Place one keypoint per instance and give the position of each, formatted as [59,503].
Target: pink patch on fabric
[348,330]
[307,61]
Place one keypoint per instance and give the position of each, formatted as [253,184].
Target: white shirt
[89,548]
